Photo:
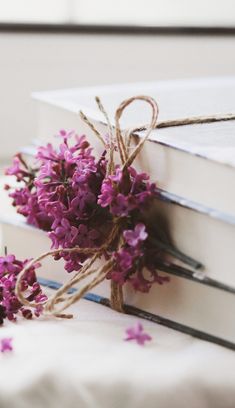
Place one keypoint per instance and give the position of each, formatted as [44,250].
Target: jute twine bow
[87,270]
[127,156]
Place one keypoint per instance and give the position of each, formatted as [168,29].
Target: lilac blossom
[25,198]
[124,192]
[7,265]
[63,232]
[18,169]
[134,237]
[6,344]
[69,195]
[61,196]
[137,334]
[135,262]
[10,306]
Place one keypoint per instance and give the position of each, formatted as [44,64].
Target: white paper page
[176,99]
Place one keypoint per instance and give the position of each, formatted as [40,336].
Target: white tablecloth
[84,362]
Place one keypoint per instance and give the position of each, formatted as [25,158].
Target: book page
[176,99]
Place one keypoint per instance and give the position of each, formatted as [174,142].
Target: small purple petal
[137,334]
[6,345]
[134,237]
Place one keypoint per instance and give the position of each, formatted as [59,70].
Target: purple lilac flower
[120,206]
[134,237]
[137,334]
[69,195]
[123,193]
[65,134]
[60,196]
[6,344]
[87,237]
[67,189]
[63,232]
[46,153]
[18,169]
[10,306]
[135,262]
[25,198]
[7,264]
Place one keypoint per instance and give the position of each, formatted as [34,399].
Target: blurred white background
[33,61]
[136,12]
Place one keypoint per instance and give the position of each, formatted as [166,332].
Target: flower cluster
[135,261]
[10,306]
[71,196]
[68,184]
[25,198]
[125,191]
[65,187]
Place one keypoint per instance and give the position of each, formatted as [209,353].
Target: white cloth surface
[84,362]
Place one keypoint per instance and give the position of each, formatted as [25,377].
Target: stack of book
[194,167]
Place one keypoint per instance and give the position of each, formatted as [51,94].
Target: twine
[87,270]
[195,120]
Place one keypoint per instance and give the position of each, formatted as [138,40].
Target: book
[201,307]
[195,162]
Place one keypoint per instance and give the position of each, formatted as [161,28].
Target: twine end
[82,115]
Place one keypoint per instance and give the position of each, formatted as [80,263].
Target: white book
[200,307]
[196,162]
[205,235]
